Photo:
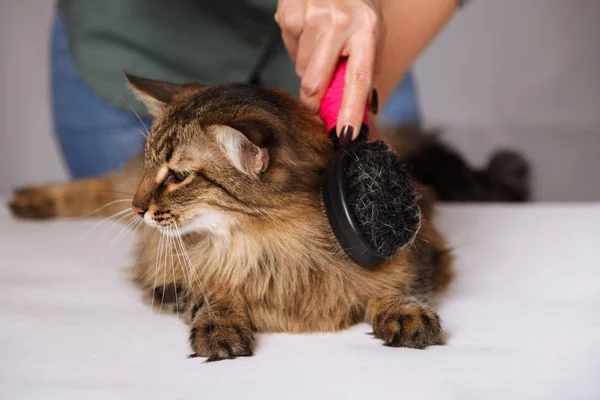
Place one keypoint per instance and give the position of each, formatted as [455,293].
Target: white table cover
[523,319]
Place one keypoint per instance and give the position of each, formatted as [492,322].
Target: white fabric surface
[523,319]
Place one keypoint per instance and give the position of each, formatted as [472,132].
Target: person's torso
[181,41]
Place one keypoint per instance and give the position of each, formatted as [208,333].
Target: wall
[512,73]
[524,74]
[28,152]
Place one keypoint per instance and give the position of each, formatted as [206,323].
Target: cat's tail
[437,165]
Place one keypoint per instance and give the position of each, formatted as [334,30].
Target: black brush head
[370,201]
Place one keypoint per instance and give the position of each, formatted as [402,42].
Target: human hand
[317,33]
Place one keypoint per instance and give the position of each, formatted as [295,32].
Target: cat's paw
[409,324]
[220,339]
[170,298]
[32,203]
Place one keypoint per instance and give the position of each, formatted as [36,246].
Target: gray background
[519,73]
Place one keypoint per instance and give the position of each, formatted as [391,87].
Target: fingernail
[346,135]
[374,102]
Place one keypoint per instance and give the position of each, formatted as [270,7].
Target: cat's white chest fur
[211,221]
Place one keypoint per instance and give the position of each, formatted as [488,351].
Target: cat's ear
[245,156]
[154,94]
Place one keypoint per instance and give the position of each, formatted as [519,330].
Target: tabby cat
[230,177]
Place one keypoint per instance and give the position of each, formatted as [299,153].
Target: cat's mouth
[206,220]
[165,225]
[160,219]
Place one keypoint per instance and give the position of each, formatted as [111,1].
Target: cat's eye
[177,177]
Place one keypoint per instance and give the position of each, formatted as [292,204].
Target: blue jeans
[402,108]
[97,137]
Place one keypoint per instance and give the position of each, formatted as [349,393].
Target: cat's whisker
[163,257]
[129,226]
[138,117]
[141,251]
[188,260]
[171,240]
[160,240]
[118,130]
[188,278]
[191,268]
[186,263]
[123,220]
[136,221]
[91,213]
[168,251]
[141,133]
[183,269]
[163,252]
[107,219]
[113,191]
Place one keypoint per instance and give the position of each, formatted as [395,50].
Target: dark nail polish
[374,102]
[346,136]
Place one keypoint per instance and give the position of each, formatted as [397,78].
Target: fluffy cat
[230,179]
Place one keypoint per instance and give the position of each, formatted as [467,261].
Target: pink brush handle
[332,101]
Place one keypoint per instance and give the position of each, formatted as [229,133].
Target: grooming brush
[368,195]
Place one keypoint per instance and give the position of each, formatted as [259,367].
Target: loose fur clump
[383,198]
[230,182]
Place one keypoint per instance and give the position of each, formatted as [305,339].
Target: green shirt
[205,41]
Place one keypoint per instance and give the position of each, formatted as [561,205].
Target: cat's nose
[138,210]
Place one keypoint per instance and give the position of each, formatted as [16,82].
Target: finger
[357,85]
[291,44]
[306,47]
[290,18]
[380,40]
[316,24]
[319,71]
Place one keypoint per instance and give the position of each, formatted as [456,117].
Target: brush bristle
[383,199]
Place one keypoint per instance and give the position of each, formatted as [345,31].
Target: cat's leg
[70,199]
[101,196]
[170,298]
[220,329]
[162,273]
[432,263]
[176,299]
[404,321]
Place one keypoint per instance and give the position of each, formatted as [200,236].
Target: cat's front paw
[409,324]
[170,298]
[220,339]
[32,203]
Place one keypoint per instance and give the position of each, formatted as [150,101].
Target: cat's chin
[208,221]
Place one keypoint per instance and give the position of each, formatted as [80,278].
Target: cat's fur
[505,178]
[237,169]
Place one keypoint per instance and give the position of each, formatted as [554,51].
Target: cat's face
[222,156]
